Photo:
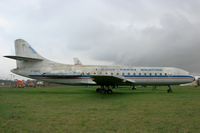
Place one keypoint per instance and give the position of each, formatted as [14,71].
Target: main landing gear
[170,89]
[133,88]
[104,90]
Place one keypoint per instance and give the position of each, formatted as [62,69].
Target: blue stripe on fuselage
[125,76]
[147,76]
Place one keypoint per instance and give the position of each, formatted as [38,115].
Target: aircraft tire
[169,91]
[98,90]
[105,91]
[109,91]
[102,91]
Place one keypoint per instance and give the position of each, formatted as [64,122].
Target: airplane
[32,65]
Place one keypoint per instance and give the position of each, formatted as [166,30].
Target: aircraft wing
[110,80]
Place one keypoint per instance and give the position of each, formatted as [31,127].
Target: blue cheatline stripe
[175,76]
[150,77]
[158,76]
[125,76]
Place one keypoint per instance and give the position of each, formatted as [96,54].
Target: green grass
[80,109]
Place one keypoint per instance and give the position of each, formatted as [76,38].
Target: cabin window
[134,74]
[150,74]
[139,74]
[88,73]
[106,73]
[123,74]
[165,74]
[111,73]
[94,73]
[117,73]
[128,73]
[145,74]
[160,74]
[155,74]
[82,73]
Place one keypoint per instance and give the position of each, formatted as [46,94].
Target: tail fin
[24,53]
[23,49]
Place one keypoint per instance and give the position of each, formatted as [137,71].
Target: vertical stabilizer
[26,52]
[23,49]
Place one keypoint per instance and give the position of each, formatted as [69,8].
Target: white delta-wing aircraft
[32,65]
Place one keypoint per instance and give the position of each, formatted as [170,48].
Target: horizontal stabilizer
[21,58]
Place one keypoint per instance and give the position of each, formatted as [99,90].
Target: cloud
[136,32]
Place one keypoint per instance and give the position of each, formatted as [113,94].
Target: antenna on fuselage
[77,61]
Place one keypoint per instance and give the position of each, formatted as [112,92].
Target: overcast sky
[122,32]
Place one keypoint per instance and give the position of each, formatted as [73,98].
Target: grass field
[80,109]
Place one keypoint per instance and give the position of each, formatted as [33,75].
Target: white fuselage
[82,74]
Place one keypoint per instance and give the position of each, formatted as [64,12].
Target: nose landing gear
[170,89]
